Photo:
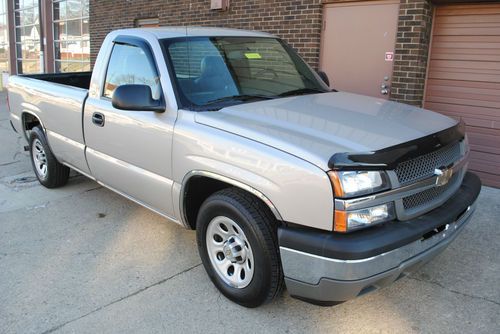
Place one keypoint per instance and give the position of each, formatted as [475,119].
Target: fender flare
[227,180]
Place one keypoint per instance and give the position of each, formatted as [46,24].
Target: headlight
[357,183]
[346,221]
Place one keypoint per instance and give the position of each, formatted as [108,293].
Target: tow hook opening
[435,231]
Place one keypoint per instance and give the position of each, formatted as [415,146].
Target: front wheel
[237,242]
[49,172]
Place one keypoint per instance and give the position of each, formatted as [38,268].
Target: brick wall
[410,56]
[298,22]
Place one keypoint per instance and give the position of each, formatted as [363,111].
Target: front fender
[227,180]
[296,190]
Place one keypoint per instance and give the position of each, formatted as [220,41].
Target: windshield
[213,72]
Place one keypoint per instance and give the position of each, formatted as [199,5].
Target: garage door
[464,79]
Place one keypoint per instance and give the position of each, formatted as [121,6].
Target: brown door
[464,79]
[357,46]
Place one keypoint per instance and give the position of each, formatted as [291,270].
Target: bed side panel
[60,109]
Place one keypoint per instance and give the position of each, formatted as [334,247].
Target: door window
[130,64]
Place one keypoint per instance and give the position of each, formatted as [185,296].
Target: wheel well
[197,190]
[29,122]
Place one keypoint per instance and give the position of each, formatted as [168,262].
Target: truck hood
[314,127]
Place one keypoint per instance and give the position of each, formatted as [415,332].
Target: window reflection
[130,65]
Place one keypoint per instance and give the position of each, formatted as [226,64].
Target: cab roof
[179,31]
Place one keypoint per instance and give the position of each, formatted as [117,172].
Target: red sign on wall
[389,56]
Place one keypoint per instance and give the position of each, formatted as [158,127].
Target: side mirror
[136,97]
[324,77]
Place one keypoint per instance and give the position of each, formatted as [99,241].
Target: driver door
[130,151]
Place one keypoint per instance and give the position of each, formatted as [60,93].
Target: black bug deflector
[388,158]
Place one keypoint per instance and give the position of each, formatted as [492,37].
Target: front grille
[423,166]
[424,199]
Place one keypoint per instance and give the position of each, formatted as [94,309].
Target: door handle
[98,119]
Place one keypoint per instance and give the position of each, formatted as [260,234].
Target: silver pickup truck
[232,134]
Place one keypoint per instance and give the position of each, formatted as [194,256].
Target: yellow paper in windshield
[253,55]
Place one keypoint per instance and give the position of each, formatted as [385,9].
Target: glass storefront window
[71,35]
[27,32]
[4,37]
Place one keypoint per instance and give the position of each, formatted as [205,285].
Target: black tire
[260,228]
[56,173]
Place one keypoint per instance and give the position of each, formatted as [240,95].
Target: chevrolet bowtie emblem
[443,176]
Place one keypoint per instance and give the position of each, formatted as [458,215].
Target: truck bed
[75,79]
[58,99]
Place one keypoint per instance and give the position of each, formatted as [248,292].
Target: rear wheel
[49,172]
[236,236]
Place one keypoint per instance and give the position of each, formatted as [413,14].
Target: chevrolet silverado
[230,133]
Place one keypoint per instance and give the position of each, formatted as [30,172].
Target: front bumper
[325,267]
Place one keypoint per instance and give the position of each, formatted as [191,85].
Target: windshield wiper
[242,97]
[302,91]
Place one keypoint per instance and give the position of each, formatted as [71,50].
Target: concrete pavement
[81,259]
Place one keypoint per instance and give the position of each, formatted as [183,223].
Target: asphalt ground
[82,259]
